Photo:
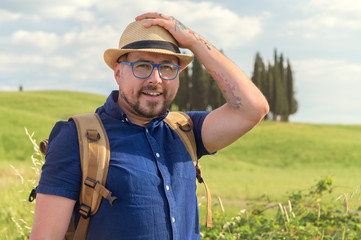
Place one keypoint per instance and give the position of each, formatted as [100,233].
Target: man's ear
[117,72]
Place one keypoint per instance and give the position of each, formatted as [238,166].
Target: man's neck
[133,117]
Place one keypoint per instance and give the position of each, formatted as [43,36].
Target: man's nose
[155,78]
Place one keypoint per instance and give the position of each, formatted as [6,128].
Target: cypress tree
[269,88]
[277,88]
[259,77]
[264,83]
[276,83]
[199,87]
[183,97]
[215,96]
[198,90]
[292,102]
[258,69]
[283,111]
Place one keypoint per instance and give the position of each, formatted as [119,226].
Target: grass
[15,209]
[38,111]
[275,157]
[272,160]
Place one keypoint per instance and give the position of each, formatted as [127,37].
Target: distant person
[150,170]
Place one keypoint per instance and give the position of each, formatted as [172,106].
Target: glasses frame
[153,66]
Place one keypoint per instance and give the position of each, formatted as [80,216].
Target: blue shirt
[150,172]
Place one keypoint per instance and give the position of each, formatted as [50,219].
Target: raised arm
[52,217]
[245,106]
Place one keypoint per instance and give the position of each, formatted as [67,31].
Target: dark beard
[151,105]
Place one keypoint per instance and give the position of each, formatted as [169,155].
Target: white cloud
[51,9]
[221,26]
[329,14]
[76,51]
[7,88]
[350,8]
[66,11]
[329,71]
[323,20]
[42,40]
[328,89]
[6,16]
[11,63]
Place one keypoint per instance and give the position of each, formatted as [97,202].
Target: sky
[59,45]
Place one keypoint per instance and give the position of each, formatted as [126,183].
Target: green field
[271,160]
[38,112]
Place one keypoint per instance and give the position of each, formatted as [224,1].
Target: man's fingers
[176,28]
[152,15]
[159,19]
[164,16]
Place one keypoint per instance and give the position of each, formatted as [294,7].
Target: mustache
[157,88]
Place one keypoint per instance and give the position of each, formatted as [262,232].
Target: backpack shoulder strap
[182,124]
[94,158]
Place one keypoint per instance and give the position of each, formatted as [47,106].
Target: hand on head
[184,36]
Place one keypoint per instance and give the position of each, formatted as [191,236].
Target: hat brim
[112,55]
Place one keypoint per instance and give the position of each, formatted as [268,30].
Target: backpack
[94,157]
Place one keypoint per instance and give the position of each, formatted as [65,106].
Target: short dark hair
[123,58]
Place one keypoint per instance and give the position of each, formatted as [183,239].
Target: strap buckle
[185,127]
[111,199]
[199,174]
[84,211]
[92,135]
[105,193]
[90,182]
[32,195]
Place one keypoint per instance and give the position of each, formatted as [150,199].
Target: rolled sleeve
[61,173]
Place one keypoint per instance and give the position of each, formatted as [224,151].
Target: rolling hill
[271,159]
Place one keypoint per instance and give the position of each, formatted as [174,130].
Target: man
[150,170]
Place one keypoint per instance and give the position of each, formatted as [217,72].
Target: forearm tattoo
[178,26]
[228,90]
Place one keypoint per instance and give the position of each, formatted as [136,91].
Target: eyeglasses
[166,71]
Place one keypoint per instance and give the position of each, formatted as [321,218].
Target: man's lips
[151,93]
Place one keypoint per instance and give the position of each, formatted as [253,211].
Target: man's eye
[168,67]
[143,66]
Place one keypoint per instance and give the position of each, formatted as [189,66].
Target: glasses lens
[142,69]
[168,70]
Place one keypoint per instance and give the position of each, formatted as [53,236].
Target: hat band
[152,44]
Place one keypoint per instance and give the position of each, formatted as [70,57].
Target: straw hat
[154,39]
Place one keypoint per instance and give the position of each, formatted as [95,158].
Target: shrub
[304,216]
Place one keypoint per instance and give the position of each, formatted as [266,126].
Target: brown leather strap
[70,233]
[94,158]
[81,229]
[183,125]
[209,222]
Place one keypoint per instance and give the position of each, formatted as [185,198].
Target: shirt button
[146,130]
[167,187]
[157,154]
[173,219]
